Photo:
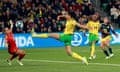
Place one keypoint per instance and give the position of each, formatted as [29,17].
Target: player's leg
[13,56]
[93,49]
[103,45]
[92,40]
[75,55]
[21,55]
[67,40]
[45,35]
[109,48]
[54,35]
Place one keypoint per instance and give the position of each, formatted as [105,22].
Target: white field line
[69,62]
[114,50]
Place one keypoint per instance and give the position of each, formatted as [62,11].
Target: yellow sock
[77,56]
[93,49]
[40,35]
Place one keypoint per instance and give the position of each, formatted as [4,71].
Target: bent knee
[21,52]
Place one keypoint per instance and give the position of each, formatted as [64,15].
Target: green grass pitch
[56,60]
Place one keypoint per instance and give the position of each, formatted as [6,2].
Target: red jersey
[12,47]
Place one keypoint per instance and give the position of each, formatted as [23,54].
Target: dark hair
[72,14]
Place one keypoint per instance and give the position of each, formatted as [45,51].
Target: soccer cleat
[9,62]
[34,34]
[92,57]
[107,57]
[20,63]
[85,60]
[111,55]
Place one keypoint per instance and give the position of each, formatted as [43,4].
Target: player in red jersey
[12,47]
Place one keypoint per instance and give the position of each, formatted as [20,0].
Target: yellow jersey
[93,27]
[70,26]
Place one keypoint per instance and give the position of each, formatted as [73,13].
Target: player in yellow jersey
[93,27]
[66,37]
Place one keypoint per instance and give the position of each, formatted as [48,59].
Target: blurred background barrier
[26,41]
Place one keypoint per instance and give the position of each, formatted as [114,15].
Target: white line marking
[115,50]
[65,62]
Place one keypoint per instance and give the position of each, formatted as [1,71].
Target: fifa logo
[77,39]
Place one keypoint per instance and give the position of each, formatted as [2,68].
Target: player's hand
[63,13]
[11,22]
[60,16]
[6,45]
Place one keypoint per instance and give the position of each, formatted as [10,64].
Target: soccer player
[93,27]
[66,37]
[12,47]
[105,29]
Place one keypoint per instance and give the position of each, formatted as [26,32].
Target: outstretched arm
[6,42]
[82,26]
[60,16]
[112,29]
[11,25]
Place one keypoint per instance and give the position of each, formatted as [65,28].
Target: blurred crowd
[41,14]
[112,7]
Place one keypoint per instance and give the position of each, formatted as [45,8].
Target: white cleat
[85,60]
[92,57]
[34,34]
[107,57]
[111,55]
[9,62]
[20,63]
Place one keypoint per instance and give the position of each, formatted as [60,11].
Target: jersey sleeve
[112,29]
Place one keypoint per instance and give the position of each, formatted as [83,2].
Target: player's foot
[92,57]
[34,34]
[20,63]
[9,62]
[111,55]
[107,57]
[85,60]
